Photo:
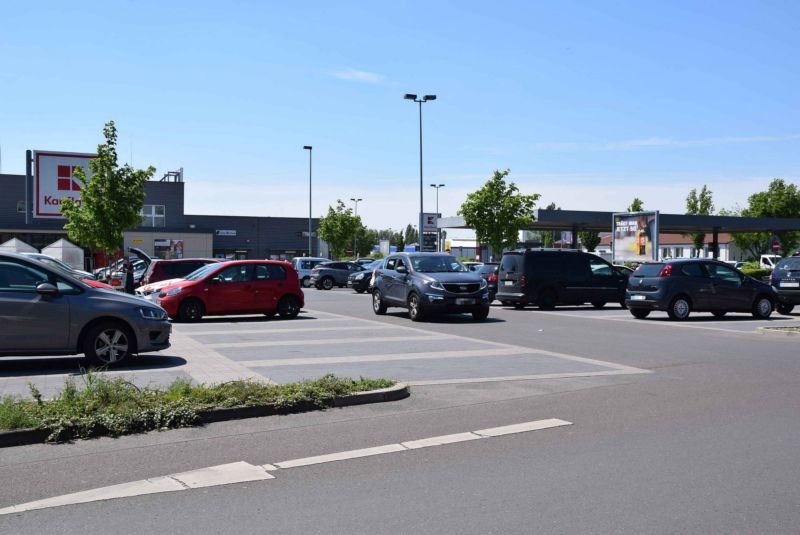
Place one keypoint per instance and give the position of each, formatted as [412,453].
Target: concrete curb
[25,437]
[781,331]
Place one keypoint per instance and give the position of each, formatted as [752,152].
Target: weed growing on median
[113,407]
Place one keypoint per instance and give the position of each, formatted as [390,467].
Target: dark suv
[429,283]
[681,286]
[550,277]
[785,278]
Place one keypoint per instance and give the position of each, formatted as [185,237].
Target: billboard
[53,181]
[430,222]
[635,237]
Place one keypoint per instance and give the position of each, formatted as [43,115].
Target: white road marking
[241,472]
[329,341]
[535,377]
[280,331]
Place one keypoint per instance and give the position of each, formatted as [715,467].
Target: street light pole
[438,235]
[309,148]
[355,235]
[426,98]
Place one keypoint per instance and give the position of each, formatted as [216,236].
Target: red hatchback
[237,287]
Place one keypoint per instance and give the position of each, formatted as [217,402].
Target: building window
[153,215]
[20,207]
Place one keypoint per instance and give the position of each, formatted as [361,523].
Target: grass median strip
[113,406]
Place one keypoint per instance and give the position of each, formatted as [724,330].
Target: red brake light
[523,281]
[666,271]
[492,278]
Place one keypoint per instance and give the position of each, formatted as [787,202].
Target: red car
[237,287]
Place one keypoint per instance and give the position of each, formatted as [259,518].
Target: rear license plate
[638,297]
[508,283]
[790,284]
[465,301]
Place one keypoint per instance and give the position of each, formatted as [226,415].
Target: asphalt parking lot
[338,333]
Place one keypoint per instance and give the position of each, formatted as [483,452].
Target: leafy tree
[365,240]
[753,243]
[636,206]
[549,236]
[338,227]
[589,239]
[111,201]
[699,204]
[411,235]
[399,241]
[498,211]
[780,200]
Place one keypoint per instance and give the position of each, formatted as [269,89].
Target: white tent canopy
[67,252]
[15,245]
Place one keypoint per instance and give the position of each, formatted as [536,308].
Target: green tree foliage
[637,205]
[589,239]
[699,204]
[110,202]
[549,236]
[753,243]
[411,235]
[780,200]
[399,241]
[365,240]
[498,211]
[338,227]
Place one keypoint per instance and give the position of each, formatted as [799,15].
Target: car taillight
[523,281]
[492,278]
[116,282]
[666,271]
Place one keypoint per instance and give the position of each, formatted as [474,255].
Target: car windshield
[789,264]
[437,264]
[199,273]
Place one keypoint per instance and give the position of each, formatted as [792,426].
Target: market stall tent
[67,252]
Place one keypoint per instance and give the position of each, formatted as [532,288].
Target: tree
[753,243]
[549,236]
[498,211]
[589,239]
[699,204]
[399,241]
[366,239]
[780,200]
[338,227]
[636,206]
[111,201]
[411,235]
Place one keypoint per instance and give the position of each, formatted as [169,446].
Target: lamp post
[426,98]
[438,238]
[308,148]
[355,235]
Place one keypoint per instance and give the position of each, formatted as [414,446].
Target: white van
[768,261]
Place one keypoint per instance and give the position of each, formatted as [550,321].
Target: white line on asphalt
[241,472]
[657,323]
[269,332]
[536,377]
[329,341]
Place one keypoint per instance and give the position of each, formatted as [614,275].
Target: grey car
[326,276]
[303,265]
[44,311]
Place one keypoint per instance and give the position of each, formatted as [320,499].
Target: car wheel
[108,343]
[762,307]
[191,310]
[640,313]
[785,309]
[360,290]
[679,309]
[327,283]
[480,314]
[378,306]
[505,303]
[519,306]
[547,300]
[598,304]
[622,304]
[719,313]
[415,308]
[288,306]
[306,282]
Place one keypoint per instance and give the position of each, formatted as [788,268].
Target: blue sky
[588,103]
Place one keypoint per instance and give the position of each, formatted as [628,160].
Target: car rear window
[511,263]
[648,270]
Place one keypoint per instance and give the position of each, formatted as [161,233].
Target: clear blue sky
[589,103]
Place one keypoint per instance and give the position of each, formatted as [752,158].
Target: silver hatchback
[44,311]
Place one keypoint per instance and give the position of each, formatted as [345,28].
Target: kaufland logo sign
[54,180]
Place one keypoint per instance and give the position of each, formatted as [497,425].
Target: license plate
[790,284]
[508,283]
[638,297]
[465,301]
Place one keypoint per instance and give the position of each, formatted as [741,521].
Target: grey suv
[45,311]
[429,283]
[326,276]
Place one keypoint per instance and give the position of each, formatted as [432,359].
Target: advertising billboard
[53,181]
[635,237]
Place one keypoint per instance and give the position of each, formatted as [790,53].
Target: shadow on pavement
[23,366]
[446,318]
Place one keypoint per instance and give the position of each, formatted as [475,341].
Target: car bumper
[787,297]
[455,304]
[152,335]
[362,284]
[169,304]
[646,300]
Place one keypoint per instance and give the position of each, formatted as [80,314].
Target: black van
[550,277]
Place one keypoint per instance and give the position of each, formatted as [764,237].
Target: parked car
[701,285]
[365,261]
[235,287]
[150,291]
[488,272]
[360,281]
[429,283]
[785,278]
[51,261]
[117,278]
[177,268]
[550,277]
[472,266]
[768,261]
[326,276]
[56,314]
[303,265]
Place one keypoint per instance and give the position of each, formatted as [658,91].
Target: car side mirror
[47,289]
[401,269]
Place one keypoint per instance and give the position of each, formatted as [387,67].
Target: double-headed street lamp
[438,235]
[308,148]
[355,236]
[426,98]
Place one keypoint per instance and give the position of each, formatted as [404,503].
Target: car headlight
[359,276]
[149,313]
[173,291]
[436,285]
[484,284]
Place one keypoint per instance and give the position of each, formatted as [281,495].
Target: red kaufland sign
[53,180]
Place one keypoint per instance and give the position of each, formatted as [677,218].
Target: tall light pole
[426,98]
[355,236]
[308,148]
[438,236]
